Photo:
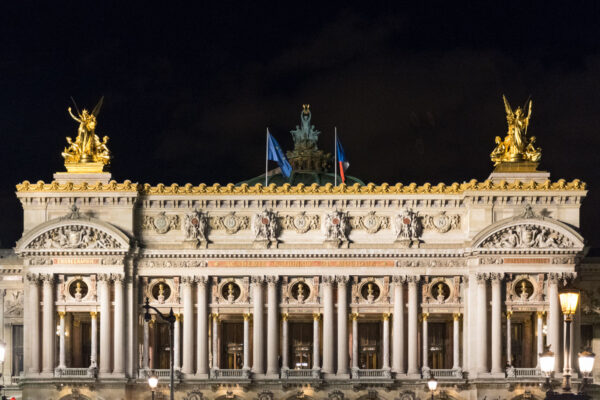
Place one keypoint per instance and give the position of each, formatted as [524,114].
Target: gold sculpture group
[87,153]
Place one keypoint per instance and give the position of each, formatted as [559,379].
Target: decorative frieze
[230,223]
[441,222]
[74,236]
[371,222]
[431,263]
[161,223]
[527,236]
[301,222]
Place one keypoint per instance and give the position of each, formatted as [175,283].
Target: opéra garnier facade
[294,290]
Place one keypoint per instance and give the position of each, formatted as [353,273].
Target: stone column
[104,292]
[94,340]
[482,323]
[146,348]
[34,322]
[61,340]
[202,338]
[496,324]
[273,325]
[508,338]
[177,342]
[342,326]
[119,326]
[455,342]
[412,325]
[398,326]
[215,347]
[188,326]
[540,335]
[354,317]
[316,360]
[554,320]
[425,345]
[285,342]
[2,294]
[48,328]
[328,325]
[258,325]
[247,341]
[386,341]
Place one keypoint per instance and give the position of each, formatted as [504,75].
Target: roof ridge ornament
[306,155]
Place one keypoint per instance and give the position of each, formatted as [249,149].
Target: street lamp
[170,318]
[153,383]
[547,365]
[569,298]
[432,385]
[586,364]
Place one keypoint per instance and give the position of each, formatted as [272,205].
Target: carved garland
[74,237]
[527,236]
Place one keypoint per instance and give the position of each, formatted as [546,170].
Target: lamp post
[170,318]
[568,302]
[432,385]
[547,366]
[586,364]
[153,383]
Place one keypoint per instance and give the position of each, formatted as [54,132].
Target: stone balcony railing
[446,373]
[230,374]
[523,373]
[300,374]
[371,373]
[82,373]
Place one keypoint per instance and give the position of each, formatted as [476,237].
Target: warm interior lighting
[586,362]
[432,384]
[568,300]
[547,361]
[153,381]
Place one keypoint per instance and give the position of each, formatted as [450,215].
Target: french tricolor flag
[341,159]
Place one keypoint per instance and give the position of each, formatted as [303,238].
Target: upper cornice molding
[301,189]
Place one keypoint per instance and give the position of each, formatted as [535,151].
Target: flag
[274,153]
[341,158]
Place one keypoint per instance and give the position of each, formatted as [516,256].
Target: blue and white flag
[274,153]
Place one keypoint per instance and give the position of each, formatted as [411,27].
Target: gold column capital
[178,317]
[425,316]
[247,316]
[316,316]
[93,314]
[540,314]
[215,316]
[62,314]
[456,316]
[285,316]
[509,314]
[386,316]
[354,316]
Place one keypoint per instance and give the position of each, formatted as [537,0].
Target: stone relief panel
[161,223]
[336,227]
[299,291]
[370,222]
[74,237]
[370,290]
[195,228]
[231,290]
[265,227]
[301,222]
[525,288]
[230,223]
[441,222]
[527,236]
[442,291]
[407,228]
[162,290]
[13,303]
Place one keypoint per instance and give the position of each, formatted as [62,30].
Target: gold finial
[516,152]
[87,154]
[305,108]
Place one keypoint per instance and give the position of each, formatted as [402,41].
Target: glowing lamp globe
[153,381]
[432,384]
[547,361]
[568,300]
[586,362]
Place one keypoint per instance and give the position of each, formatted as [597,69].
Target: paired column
[247,341]
[412,324]
[94,341]
[34,322]
[258,325]
[482,323]
[146,348]
[188,326]
[119,326]
[272,327]
[496,323]
[554,319]
[398,325]
[508,338]
[425,344]
[176,342]
[285,342]
[48,328]
[455,342]
[386,341]
[354,317]
[104,292]
[316,358]
[202,332]
[342,326]
[328,325]
[540,335]
[215,347]
[61,341]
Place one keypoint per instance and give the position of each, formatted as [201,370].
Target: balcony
[520,373]
[161,374]
[230,374]
[300,374]
[77,373]
[371,373]
[446,373]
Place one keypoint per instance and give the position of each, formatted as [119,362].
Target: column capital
[509,314]
[316,316]
[399,279]
[342,279]
[354,316]
[482,277]
[187,280]
[178,317]
[540,314]
[33,278]
[47,279]
[93,314]
[215,316]
[327,280]
[272,280]
[425,316]
[456,316]
[496,277]
[201,280]
[386,316]
[258,280]
[247,316]
[284,316]
[103,277]
[413,279]
[62,314]
[561,277]
[117,278]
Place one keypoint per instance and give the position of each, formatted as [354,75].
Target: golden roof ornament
[87,154]
[516,153]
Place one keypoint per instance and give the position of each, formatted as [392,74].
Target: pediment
[80,234]
[534,233]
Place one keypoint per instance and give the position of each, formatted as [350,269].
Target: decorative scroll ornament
[301,222]
[408,228]
[195,227]
[370,222]
[231,223]
[336,227]
[87,153]
[161,223]
[527,236]
[516,148]
[74,237]
[441,222]
[265,227]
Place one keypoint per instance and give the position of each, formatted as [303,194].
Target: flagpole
[267,160]
[335,155]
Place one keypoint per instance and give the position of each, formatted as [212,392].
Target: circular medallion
[229,222]
[265,221]
[78,289]
[195,221]
[335,221]
[406,221]
[161,223]
[301,223]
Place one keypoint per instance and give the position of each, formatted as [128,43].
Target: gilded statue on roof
[516,147]
[87,153]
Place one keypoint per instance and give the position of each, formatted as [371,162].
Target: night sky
[414,92]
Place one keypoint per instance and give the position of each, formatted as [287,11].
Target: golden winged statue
[87,153]
[516,148]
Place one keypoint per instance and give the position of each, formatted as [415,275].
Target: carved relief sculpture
[161,223]
[301,222]
[231,223]
[195,227]
[370,222]
[335,228]
[74,237]
[265,229]
[408,228]
[441,222]
[527,236]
